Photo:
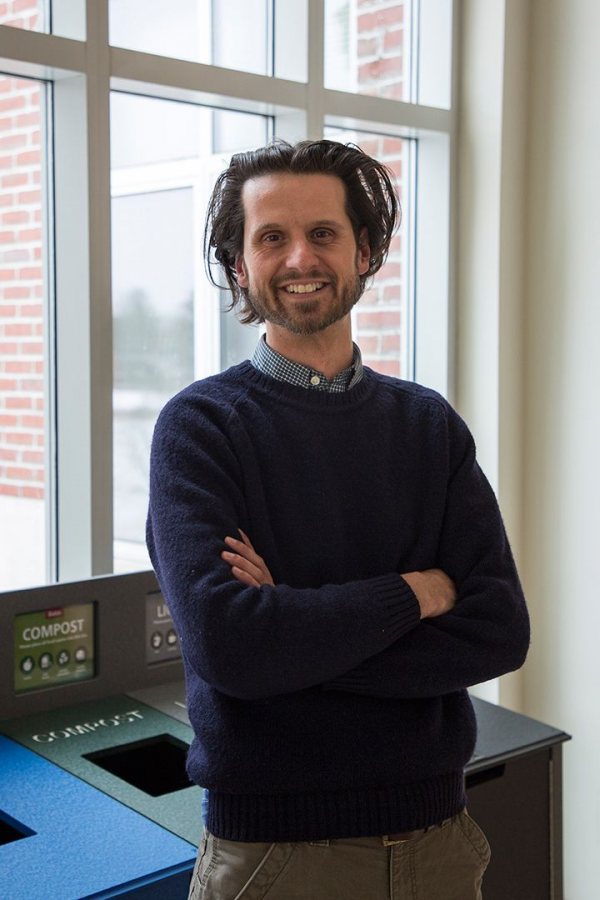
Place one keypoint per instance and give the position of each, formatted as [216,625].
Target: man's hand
[435,591]
[246,565]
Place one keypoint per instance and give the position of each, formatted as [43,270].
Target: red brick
[20,437]
[7,311]
[32,384]
[379,20]
[33,493]
[8,384]
[390,270]
[8,349]
[7,274]
[30,234]
[368,344]
[19,6]
[377,319]
[8,103]
[18,403]
[18,217]
[33,348]
[36,422]
[390,343]
[393,40]
[380,69]
[15,179]
[20,329]
[8,421]
[9,490]
[392,293]
[18,365]
[25,119]
[13,141]
[19,474]
[33,456]
[30,197]
[8,455]
[17,293]
[31,273]
[8,237]
[29,158]
[385,366]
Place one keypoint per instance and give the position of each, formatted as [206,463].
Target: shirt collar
[272,363]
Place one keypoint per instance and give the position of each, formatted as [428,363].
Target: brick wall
[21,277]
[382,69]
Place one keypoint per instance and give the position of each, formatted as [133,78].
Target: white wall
[528,339]
[562,410]
[489,313]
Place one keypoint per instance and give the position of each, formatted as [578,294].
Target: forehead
[283,196]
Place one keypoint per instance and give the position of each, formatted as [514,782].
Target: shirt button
[315,379]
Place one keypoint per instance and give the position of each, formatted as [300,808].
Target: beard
[304,317]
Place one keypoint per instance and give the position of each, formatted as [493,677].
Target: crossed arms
[435,591]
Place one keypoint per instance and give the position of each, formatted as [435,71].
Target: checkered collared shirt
[269,362]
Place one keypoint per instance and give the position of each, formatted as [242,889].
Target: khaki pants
[446,862]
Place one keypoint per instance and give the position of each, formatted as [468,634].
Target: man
[335,563]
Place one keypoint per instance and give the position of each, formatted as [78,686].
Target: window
[24,377]
[167,325]
[105,310]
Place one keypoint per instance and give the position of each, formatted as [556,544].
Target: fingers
[244,577]
[242,558]
[246,565]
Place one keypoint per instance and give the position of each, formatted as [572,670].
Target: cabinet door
[511,803]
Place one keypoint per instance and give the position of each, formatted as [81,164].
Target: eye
[272,237]
[322,234]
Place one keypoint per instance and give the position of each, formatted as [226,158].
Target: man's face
[300,264]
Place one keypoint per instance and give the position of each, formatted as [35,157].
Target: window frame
[83,72]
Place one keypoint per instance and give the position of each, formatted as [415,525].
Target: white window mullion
[83,317]
[315,49]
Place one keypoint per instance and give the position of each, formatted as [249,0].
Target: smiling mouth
[309,288]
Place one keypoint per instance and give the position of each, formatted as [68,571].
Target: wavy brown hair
[371,203]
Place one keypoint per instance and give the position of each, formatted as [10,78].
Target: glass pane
[168,328]
[368,47]
[63,17]
[28,14]
[383,317]
[229,33]
[23,483]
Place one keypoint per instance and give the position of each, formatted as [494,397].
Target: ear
[240,271]
[364,252]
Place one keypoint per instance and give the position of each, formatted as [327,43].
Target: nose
[301,254]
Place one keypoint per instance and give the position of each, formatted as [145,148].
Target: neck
[328,351]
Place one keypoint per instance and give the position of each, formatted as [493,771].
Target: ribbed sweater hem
[335,814]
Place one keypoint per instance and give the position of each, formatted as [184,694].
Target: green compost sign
[54,646]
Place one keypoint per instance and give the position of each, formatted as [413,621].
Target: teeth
[304,288]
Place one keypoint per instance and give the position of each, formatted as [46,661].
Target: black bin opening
[11,830]
[155,765]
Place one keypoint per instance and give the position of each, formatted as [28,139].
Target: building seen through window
[171,133]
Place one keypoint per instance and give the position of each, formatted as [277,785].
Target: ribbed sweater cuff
[400,610]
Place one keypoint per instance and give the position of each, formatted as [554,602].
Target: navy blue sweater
[324,706]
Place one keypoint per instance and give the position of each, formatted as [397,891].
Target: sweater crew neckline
[245,374]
